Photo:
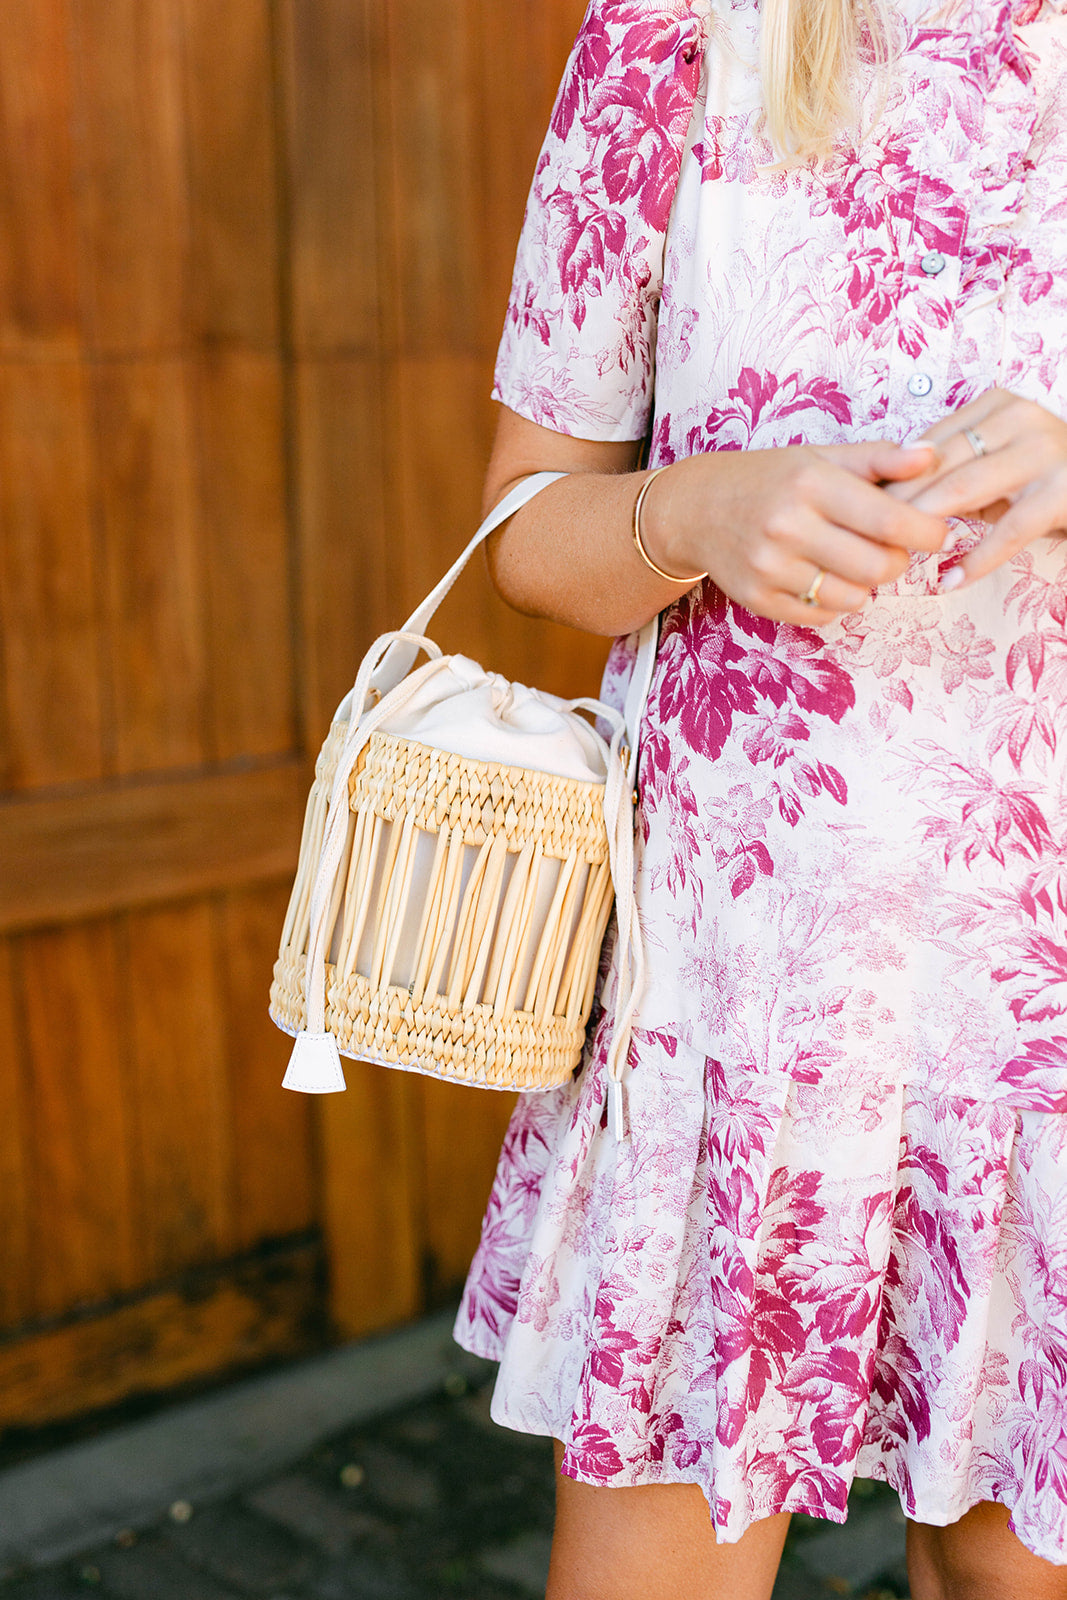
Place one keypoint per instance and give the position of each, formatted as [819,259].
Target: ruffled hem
[776,1287]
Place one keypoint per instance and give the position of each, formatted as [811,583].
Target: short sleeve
[578,350]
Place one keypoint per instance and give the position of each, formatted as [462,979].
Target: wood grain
[180,1088]
[253,262]
[439,446]
[16,1279]
[331,66]
[48,606]
[275,1167]
[221,1323]
[233,179]
[439,443]
[372,1199]
[429,179]
[157,625]
[39,280]
[84,1245]
[464,1129]
[133,175]
[246,556]
[519,52]
[88,852]
[350,555]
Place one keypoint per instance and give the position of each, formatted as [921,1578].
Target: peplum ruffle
[775,1287]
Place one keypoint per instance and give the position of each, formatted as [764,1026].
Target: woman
[835,1240]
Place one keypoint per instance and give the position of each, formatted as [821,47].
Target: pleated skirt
[774,1287]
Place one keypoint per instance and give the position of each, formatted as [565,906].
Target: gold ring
[810,597]
[976,442]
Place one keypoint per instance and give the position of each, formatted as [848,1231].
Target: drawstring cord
[315,1064]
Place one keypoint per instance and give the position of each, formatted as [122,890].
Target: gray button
[933,263]
[919,384]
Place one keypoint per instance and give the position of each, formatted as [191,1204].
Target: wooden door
[253,261]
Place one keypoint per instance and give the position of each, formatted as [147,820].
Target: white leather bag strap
[398,661]
[400,658]
[638,690]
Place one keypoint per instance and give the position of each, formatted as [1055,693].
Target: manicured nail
[950,540]
[952,579]
[918,444]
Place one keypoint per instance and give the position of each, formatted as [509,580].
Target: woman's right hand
[765,523]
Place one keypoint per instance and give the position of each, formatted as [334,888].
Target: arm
[761,523]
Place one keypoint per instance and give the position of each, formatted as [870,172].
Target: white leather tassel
[315,1065]
[616,1110]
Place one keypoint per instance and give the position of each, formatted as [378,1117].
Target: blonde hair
[809,53]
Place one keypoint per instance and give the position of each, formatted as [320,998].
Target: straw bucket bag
[464,840]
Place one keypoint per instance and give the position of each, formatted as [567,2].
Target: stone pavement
[413,1494]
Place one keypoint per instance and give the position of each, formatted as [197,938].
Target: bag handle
[398,660]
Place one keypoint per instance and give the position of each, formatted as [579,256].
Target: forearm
[569,555]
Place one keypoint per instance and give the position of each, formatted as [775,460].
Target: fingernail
[918,444]
[950,540]
[952,579]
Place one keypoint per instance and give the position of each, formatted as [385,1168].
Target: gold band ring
[810,597]
[976,442]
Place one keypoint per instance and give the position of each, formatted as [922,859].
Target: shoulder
[621,37]
[627,96]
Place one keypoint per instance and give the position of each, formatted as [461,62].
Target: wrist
[651,531]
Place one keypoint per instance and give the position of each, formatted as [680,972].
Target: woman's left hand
[1011,472]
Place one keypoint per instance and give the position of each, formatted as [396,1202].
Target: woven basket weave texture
[469,913]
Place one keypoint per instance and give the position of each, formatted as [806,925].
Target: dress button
[919,384]
[933,263]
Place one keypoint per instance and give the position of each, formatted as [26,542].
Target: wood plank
[232,165]
[133,172]
[16,1279]
[39,286]
[215,1323]
[464,1129]
[429,178]
[511,112]
[180,1088]
[331,64]
[157,627]
[349,556]
[439,445]
[372,1199]
[93,851]
[242,490]
[49,613]
[83,1225]
[274,1155]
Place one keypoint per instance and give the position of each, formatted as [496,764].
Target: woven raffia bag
[463,843]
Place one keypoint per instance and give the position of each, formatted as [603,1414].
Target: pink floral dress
[836,1241]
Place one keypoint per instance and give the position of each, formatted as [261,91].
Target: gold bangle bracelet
[697,577]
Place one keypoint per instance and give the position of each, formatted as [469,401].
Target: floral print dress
[835,1243]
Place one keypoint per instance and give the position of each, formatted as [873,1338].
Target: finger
[954,452]
[970,415]
[979,481]
[1032,517]
[790,608]
[881,460]
[855,561]
[848,502]
[835,594]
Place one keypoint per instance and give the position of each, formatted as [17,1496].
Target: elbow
[507,576]
[602,614]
